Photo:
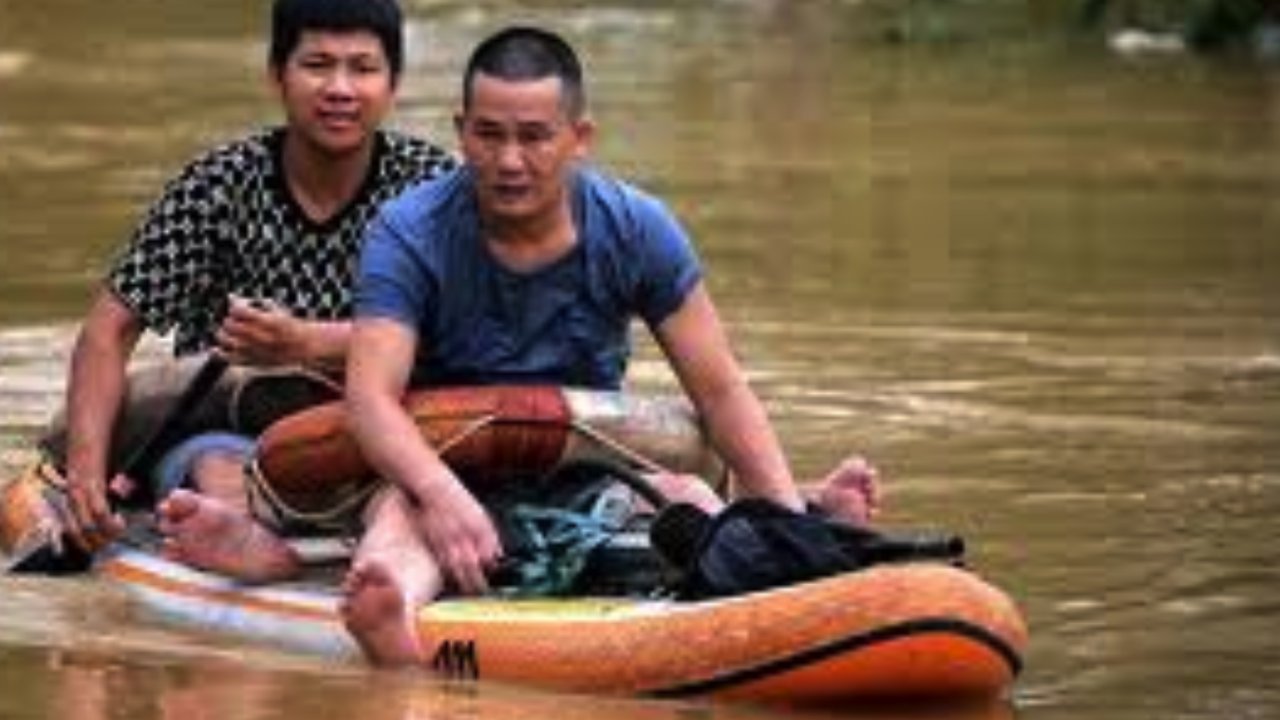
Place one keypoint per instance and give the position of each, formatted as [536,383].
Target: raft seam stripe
[799,660]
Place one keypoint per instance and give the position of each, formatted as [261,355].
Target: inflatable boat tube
[488,435]
[909,631]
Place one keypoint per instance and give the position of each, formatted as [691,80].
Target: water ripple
[13,63]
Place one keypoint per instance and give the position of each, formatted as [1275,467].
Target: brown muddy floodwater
[1038,284]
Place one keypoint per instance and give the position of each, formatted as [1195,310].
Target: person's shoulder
[403,144]
[612,188]
[414,157]
[426,199]
[232,159]
[622,199]
[254,148]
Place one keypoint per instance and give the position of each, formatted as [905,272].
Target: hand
[261,333]
[90,521]
[686,488]
[460,535]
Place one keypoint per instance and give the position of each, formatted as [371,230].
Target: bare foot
[851,492]
[207,534]
[378,616]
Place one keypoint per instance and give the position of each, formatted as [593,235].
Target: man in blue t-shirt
[523,266]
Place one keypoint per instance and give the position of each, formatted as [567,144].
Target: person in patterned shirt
[250,252]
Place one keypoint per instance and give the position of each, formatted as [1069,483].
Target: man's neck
[322,184]
[527,245]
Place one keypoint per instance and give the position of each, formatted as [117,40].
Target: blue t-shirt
[426,265]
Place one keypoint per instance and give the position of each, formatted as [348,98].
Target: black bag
[755,544]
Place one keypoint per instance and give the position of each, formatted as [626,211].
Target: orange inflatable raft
[895,631]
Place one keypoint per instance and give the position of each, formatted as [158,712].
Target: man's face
[520,143]
[336,88]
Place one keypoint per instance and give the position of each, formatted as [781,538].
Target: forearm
[96,385]
[94,396]
[741,432]
[378,372]
[323,345]
[394,445]
[696,344]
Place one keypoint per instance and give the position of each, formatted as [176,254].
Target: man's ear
[459,122]
[584,131]
[275,78]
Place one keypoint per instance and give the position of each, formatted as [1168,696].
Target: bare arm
[95,391]
[696,345]
[456,528]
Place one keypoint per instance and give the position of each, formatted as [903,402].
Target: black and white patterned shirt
[228,224]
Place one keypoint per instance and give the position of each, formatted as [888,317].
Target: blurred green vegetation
[1206,25]
[1200,25]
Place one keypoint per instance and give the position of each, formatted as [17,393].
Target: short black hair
[290,18]
[529,53]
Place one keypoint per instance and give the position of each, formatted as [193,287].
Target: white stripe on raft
[302,621]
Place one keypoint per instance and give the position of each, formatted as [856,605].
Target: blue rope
[553,547]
